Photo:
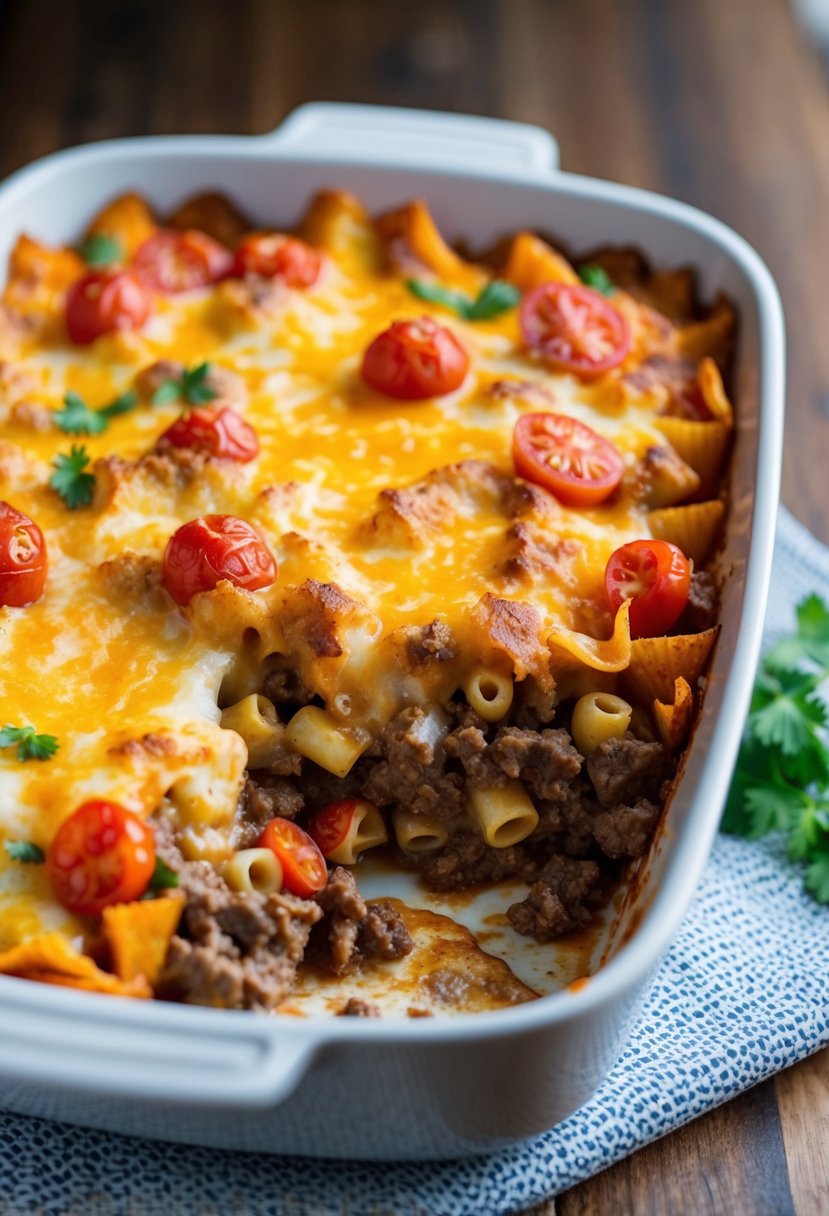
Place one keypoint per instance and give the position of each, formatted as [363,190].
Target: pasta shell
[693,527]
[674,721]
[657,663]
[713,392]
[702,445]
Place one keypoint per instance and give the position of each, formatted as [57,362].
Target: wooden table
[722,103]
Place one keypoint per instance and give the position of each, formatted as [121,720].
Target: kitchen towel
[742,993]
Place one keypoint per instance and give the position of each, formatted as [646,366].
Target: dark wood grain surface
[722,103]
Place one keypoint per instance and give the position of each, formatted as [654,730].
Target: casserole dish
[426,1088]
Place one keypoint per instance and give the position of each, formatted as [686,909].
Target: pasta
[597,717]
[504,815]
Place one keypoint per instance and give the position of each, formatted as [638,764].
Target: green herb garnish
[494,298]
[30,745]
[27,852]
[598,279]
[191,386]
[77,418]
[99,249]
[163,879]
[782,778]
[75,486]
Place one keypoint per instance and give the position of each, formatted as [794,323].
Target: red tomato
[219,432]
[304,871]
[203,552]
[23,561]
[180,261]
[655,576]
[575,329]
[101,855]
[272,255]
[104,301]
[415,359]
[567,458]
[330,826]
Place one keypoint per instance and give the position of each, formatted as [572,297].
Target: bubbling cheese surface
[103,664]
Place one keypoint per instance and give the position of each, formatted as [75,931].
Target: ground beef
[467,859]
[626,769]
[469,746]
[352,929]
[701,610]
[545,760]
[428,643]
[356,1007]
[413,774]
[569,822]
[319,787]
[558,901]
[625,831]
[264,797]
[283,685]
[534,707]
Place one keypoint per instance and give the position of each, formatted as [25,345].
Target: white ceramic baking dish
[428,1087]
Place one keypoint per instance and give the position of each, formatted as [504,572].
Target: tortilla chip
[138,934]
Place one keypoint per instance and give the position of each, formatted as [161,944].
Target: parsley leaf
[75,486]
[77,418]
[25,851]
[100,249]
[163,878]
[782,778]
[598,279]
[495,297]
[30,745]
[192,386]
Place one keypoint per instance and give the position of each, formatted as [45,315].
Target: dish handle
[428,137]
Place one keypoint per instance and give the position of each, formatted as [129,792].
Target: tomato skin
[304,871]
[207,550]
[574,329]
[413,360]
[271,255]
[219,432]
[102,854]
[330,826]
[586,467]
[23,559]
[103,302]
[172,261]
[656,577]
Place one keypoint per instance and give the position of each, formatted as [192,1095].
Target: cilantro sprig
[782,778]
[70,479]
[77,418]
[25,851]
[30,745]
[495,297]
[100,249]
[163,879]
[191,386]
[598,279]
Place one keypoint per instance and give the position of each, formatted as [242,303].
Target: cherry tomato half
[181,261]
[304,871]
[104,301]
[273,255]
[573,462]
[102,854]
[655,576]
[330,826]
[413,360]
[23,561]
[575,329]
[219,432]
[203,552]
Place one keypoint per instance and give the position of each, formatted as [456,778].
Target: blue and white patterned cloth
[743,992]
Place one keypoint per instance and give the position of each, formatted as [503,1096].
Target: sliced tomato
[23,561]
[656,577]
[103,302]
[102,854]
[304,871]
[219,432]
[413,360]
[181,261]
[574,329]
[580,467]
[207,550]
[330,826]
[272,255]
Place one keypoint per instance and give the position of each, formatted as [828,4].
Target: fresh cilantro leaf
[772,808]
[122,404]
[99,249]
[598,279]
[493,299]
[166,393]
[25,851]
[813,629]
[75,486]
[192,386]
[782,723]
[30,745]
[76,418]
[163,877]
[457,301]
